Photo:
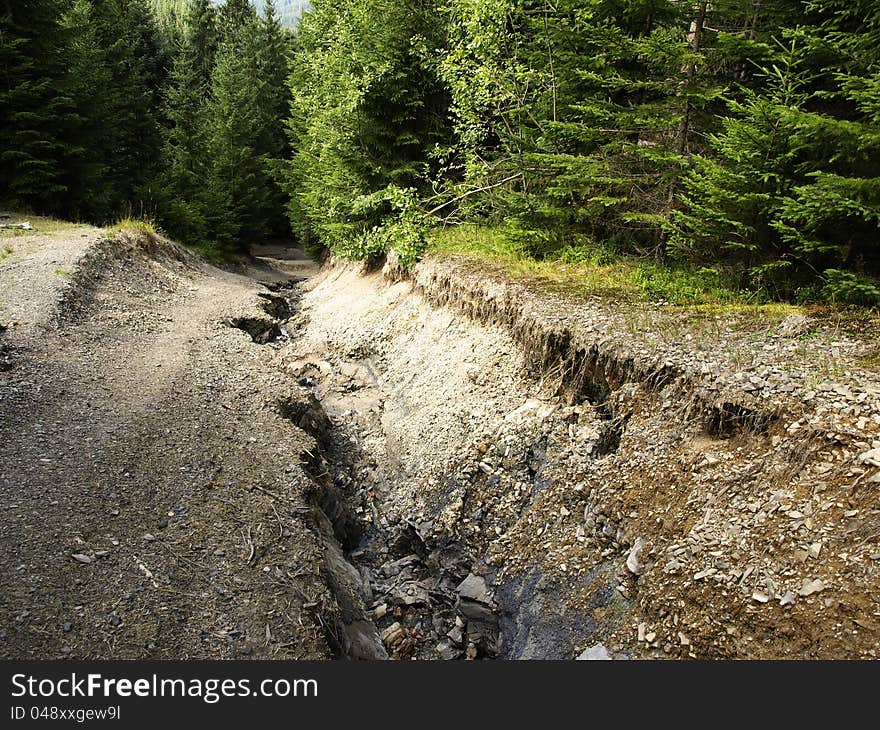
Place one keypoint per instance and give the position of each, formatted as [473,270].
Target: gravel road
[152,500]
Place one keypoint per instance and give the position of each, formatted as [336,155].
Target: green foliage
[695,144]
[170,12]
[788,190]
[34,117]
[135,55]
[104,109]
[850,288]
[575,105]
[180,190]
[225,102]
[237,176]
[365,116]
[78,105]
[403,228]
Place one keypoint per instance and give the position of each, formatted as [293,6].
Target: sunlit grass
[41,225]
[144,226]
[591,271]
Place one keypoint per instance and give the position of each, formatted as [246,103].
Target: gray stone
[361,641]
[411,593]
[595,653]
[474,588]
[446,651]
[475,612]
[633,564]
[811,586]
[793,325]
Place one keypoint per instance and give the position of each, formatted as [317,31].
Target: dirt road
[199,463]
[153,504]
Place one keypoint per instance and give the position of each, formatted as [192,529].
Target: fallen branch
[474,192]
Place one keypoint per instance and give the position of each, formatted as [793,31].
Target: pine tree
[244,142]
[135,57]
[367,112]
[272,69]
[626,115]
[831,219]
[573,103]
[733,197]
[788,192]
[234,16]
[185,162]
[238,177]
[34,107]
[86,163]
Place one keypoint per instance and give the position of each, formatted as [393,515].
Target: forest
[737,141]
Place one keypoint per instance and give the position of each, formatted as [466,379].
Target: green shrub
[846,287]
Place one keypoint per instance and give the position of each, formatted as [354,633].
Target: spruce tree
[787,194]
[134,54]
[367,114]
[243,123]
[575,104]
[234,17]
[34,106]
[733,196]
[185,162]
[272,69]
[86,165]
[831,219]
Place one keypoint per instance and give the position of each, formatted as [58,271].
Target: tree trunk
[681,143]
[696,37]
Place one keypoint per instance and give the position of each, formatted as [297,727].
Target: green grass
[593,270]
[871,361]
[144,226]
[213,252]
[42,225]
[5,251]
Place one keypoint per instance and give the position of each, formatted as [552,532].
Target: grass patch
[60,272]
[594,270]
[5,251]
[214,252]
[42,225]
[143,226]
[871,361]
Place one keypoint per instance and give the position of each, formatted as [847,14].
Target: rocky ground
[153,503]
[440,463]
[541,479]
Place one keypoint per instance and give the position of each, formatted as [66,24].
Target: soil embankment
[540,475]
